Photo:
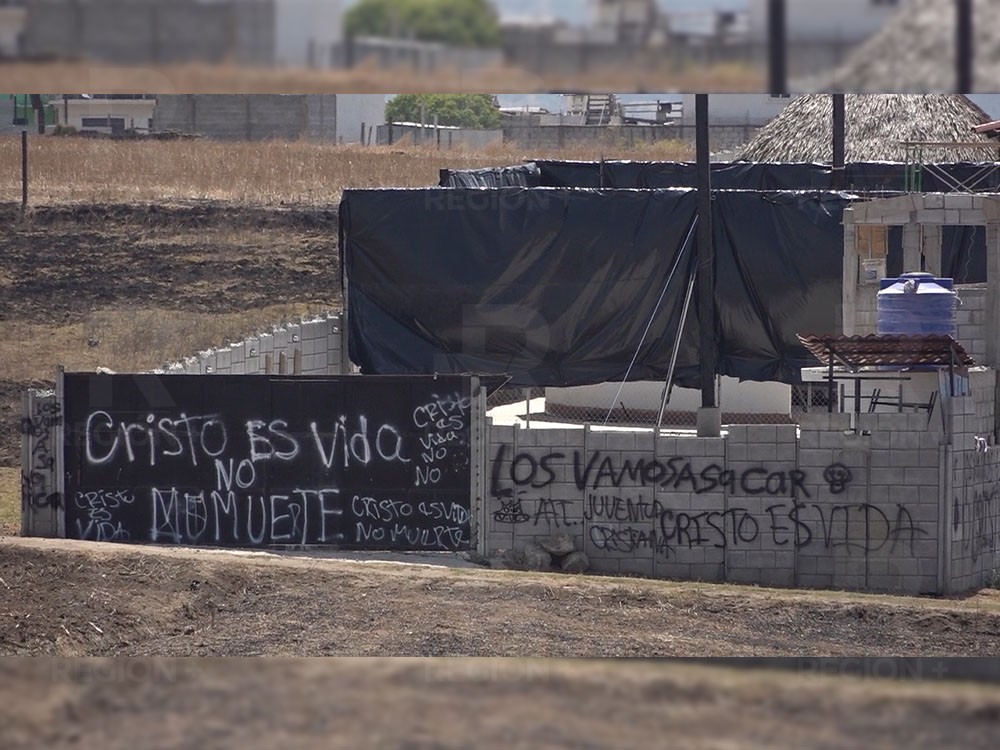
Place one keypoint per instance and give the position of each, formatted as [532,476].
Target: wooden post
[24,170]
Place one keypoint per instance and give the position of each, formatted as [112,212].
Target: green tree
[465,23]
[463,110]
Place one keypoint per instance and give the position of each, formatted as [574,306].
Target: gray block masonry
[888,504]
[310,347]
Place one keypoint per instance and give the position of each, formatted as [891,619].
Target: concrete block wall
[822,506]
[974,505]
[310,347]
[248,117]
[974,320]
[156,31]
[42,433]
[880,530]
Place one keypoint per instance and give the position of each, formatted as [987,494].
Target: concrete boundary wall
[893,502]
[308,347]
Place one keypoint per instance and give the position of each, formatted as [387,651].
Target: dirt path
[452,704]
[125,600]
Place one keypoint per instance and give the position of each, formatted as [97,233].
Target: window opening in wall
[873,241]
[963,254]
[894,252]
[880,251]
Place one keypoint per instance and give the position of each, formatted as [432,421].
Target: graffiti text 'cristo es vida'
[206,438]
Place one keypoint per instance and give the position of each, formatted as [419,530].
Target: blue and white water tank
[917,304]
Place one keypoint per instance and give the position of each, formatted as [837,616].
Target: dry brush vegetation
[201,78]
[68,169]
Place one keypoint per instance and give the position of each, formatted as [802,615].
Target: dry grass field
[25,77]
[136,253]
[509,704]
[67,169]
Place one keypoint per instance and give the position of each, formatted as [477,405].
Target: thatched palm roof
[915,52]
[877,125]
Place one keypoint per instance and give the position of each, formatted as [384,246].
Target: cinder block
[882,458]
[815,421]
[644,441]
[893,422]
[762,434]
[921,422]
[623,441]
[887,476]
[786,452]
[920,476]
[905,458]
[596,440]
[905,440]
[957,201]
[737,452]
[762,452]
[815,458]
[690,447]
[738,433]
[809,439]
[831,439]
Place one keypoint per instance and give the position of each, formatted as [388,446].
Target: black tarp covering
[556,287]
[963,254]
[522,175]
[859,177]
[779,267]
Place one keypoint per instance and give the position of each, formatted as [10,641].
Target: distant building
[755,110]
[110,114]
[330,118]
[845,21]
[13,15]
[633,21]
[260,32]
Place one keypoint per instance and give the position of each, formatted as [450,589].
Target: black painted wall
[252,461]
